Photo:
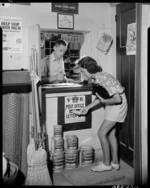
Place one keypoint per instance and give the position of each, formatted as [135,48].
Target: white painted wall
[144,97]
[94,17]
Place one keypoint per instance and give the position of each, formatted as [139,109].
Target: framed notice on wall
[65,21]
[66,113]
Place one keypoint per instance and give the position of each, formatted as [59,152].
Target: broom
[32,145]
[38,173]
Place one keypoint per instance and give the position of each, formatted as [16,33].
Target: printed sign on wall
[12,34]
[65,7]
[131,39]
[74,103]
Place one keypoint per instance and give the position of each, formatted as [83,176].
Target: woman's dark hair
[59,42]
[90,64]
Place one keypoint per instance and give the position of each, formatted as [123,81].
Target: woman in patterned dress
[115,111]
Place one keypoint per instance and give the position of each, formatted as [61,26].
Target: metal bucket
[57,144]
[71,142]
[71,159]
[58,130]
[58,161]
[86,154]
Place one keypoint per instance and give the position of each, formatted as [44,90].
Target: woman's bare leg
[113,145]
[103,131]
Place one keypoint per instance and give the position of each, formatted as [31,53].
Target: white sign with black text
[12,34]
[74,103]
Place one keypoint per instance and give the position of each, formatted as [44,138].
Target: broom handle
[34,117]
[36,98]
[37,110]
[33,104]
[36,71]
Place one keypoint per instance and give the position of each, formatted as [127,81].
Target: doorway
[126,75]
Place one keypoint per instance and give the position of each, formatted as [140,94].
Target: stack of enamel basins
[71,156]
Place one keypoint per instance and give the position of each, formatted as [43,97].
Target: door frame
[137,156]
[140,176]
[137,100]
[126,151]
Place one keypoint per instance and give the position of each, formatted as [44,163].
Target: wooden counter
[66,89]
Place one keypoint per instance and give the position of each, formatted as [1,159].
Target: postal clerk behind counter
[52,66]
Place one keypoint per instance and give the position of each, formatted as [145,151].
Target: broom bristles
[38,177]
[38,173]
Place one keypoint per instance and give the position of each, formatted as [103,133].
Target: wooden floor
[59,179]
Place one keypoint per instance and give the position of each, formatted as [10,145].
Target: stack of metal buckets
[57,148]
[71,152]
[70,156]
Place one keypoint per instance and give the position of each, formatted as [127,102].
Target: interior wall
[93,17]
[144,101]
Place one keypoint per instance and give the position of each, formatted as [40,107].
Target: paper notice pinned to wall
[131,39]
[12,34]
[104,43]
[74,103]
